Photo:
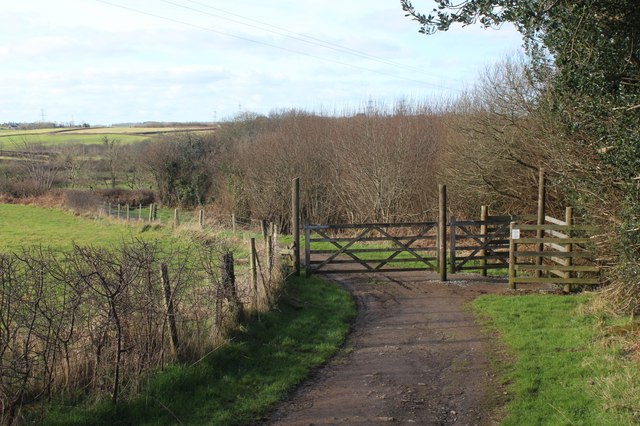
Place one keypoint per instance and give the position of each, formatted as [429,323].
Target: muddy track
[415,356]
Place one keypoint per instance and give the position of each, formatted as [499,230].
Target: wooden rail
[552,253]
[406,247]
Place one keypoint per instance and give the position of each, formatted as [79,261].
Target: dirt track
[415,356]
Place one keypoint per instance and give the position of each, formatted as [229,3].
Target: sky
[117,61]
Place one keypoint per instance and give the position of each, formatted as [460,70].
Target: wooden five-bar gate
[534,248]
[409,244]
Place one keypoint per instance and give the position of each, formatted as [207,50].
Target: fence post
[269,254]
[541,217]
[512,258]
[484,212]
[118,211]
[201,218]
[233,223]
[295,225]
[151,212]
[442,231]
[307,251]
[109,208]
[128,213]
[264,228]
[254,272]
[568,218]
[140,213]
[168,300]
[228,281]
[452,245]
[176,218]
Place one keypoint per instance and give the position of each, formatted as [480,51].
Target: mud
[415,356]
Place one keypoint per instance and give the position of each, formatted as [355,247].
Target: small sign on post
[515,234]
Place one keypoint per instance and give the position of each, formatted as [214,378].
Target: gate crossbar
[345,246]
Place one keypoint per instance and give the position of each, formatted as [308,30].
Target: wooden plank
[572,268]
[524,227]
[372,261]
[488,247]
[479,222]
[346,239]
[561,274]
[512,258]
[521,217]
[553,240]
[484,212]
[555,280]
[558,247]
[568,218]
[485,267]
[371,250]
[442,231]
[372,225]
[559,261]
[365,271]
[486,257]
[555,221]
[557,234]
[551,254]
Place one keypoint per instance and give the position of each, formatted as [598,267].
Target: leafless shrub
[126,196]
[97,319]
[81,201]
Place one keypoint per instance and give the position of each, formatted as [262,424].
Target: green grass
[14,142]
[23,225]
[240,382]
[560,372]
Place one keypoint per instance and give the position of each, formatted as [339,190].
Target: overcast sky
[104,62]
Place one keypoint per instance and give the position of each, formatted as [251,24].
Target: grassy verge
[562,373]
[241,381]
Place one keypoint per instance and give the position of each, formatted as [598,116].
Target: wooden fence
[481,244]
[551,253]
[411,244]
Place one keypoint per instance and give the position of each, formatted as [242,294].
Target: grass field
[22,225]
[9,139]
[563,374]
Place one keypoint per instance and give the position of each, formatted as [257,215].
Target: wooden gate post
[541,216]
[484,212]
[442,231]
[201,218]
[176,218]
[295,225]
[512,258]
[568,218]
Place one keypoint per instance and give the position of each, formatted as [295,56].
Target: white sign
[515,234]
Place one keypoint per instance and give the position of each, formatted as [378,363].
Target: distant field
[87,136]
[59,139]
[22,225]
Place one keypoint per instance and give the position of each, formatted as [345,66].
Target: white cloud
[101,63]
